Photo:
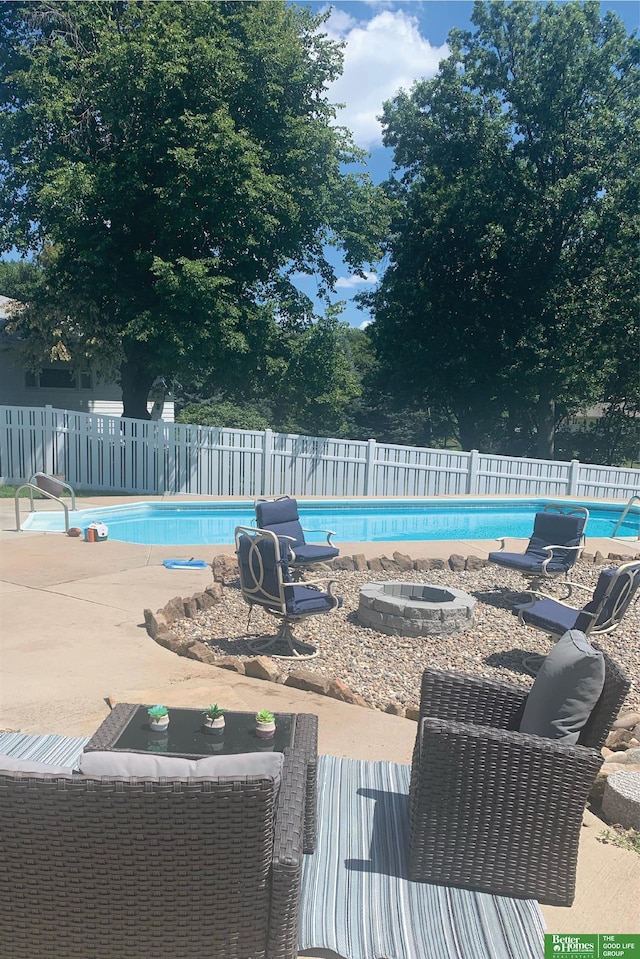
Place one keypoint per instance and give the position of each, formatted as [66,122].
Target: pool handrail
[632,499]
[37,488]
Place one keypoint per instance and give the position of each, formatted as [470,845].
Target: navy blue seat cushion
[527,562]
[259,565]
[549,615]
[313,553]
[304,601]
[566,689]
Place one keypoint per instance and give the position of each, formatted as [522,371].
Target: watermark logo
[573,946]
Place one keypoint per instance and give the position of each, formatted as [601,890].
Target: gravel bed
[386,669]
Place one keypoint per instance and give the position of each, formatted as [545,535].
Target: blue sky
[388,45]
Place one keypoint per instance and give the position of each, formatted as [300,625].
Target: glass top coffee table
[126,729]
[186,737]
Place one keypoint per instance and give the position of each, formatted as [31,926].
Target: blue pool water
[354,521]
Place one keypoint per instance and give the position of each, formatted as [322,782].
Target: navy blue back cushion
[556,529]
[281,517]
[622,583]
[251,571]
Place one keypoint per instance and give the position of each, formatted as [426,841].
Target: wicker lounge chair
[116,868]
[494,809]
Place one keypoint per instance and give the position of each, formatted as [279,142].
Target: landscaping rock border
[225,570]
[622,748]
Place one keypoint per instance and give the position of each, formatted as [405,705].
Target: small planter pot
[158,725]
[215,726]
[265,730]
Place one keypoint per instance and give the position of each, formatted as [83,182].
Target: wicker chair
[140,868]
[493,809]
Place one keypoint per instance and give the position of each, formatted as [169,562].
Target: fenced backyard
[112,454]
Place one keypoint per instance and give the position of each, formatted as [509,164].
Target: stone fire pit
[415,609]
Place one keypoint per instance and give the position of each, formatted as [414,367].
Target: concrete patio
[73,638]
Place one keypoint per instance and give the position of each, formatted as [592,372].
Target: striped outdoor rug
[54,749]
[357,901]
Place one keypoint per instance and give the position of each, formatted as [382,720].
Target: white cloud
[365,324]
[338,24]
[346,282]
[381,55]
[379,4]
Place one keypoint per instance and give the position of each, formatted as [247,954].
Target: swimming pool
[354,521]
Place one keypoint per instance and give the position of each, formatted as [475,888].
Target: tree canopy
[170,166]
[510,299]
[305,381]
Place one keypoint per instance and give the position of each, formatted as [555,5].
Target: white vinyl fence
[95,452]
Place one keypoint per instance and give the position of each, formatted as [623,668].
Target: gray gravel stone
[381,668]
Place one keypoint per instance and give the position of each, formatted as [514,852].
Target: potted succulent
[213,718]
[158,718]
[265,724]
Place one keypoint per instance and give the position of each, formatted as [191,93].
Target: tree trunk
[467,430]
[135,383]
[546,426]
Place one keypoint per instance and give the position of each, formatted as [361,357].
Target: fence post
[472,474]
[48,465]
[573,478]
[159,461]
[267,456]
[370,468]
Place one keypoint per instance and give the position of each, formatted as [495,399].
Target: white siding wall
[103,398]
[113,407]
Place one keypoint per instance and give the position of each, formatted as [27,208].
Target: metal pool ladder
[635,498]
[50,487]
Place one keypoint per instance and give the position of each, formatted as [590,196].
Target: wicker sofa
[494,809]
[112,868]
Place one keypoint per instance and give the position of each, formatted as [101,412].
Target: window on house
[58,379]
